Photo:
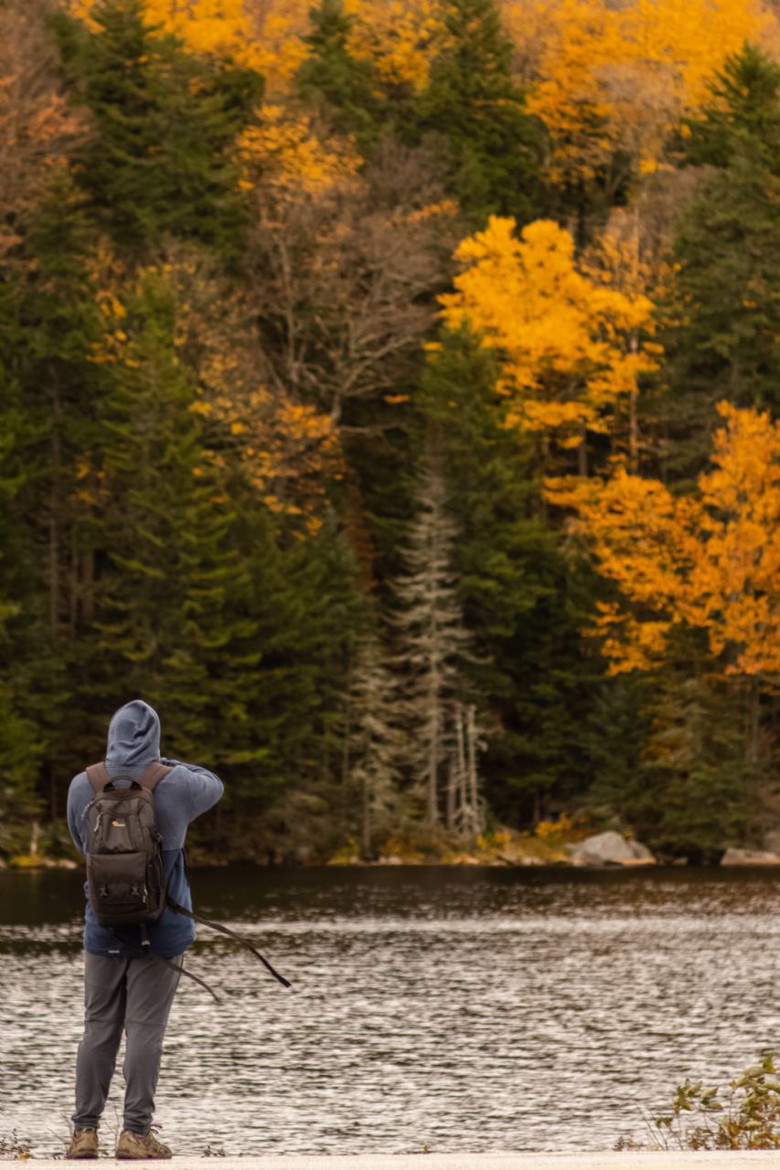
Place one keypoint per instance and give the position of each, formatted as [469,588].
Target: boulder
[749,857]
[610,848]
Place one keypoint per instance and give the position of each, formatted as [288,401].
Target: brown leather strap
[98,776]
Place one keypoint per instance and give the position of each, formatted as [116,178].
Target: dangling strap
[189,974]
[231,933]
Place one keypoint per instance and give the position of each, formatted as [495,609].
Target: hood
[133,737]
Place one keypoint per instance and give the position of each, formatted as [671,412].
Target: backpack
[125,872]
[125,875]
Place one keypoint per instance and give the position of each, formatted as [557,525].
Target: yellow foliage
[710,560]
[400,37]
[266,37]
[620,76]
[284,153]
[277,30]
[567,339]
[558,828]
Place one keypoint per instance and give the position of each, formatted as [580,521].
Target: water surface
[459,1009]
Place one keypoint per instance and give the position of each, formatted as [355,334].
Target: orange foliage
[283,153]
[288,451]
[709,561]
[619,76]
[564,334]
[400,37]
[266,36]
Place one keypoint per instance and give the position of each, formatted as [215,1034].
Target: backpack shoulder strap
[98,776]
[151,776]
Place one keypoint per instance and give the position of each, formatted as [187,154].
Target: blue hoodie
[180,797]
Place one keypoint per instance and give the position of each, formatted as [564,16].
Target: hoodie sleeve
[205,788]
[79,796]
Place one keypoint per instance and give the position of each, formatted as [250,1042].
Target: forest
[389,394]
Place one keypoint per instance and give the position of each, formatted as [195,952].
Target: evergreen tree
[726,292]
[431,639]
[524,600]
[695,792]
[348,91]
[374,744]
[475,109]
[158,161]
[50,327]
[172,593]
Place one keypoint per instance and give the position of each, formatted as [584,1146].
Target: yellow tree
[400,37]
[569,341]
[709,561]
[262,35]
[610,78]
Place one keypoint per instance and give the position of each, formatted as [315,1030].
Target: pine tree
[726,292]
[158,161]
[373,743]
[172,590]
[475,109]
[50,326]
[695,791]
[348,91]
[431,638]
[523,598]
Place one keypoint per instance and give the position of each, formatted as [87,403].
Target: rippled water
[462,1009]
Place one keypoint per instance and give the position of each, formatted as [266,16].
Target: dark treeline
[249,473]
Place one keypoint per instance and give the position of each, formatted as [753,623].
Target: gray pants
[134,996]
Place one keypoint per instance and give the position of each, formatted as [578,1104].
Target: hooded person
[126,987]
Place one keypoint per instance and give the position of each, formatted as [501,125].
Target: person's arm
[76,805]
[205,788]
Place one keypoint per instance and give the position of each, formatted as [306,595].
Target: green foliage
[158,160]
[475,110]
[694,790]
[347,91]
[726,293]
[743,117]
[171,588]
[522,598]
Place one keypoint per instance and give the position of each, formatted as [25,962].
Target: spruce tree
[474,108]
[524,599]
[159,158]
[432,640]
[726,291]
[172,591]
[373,744]
[347,91]
[50,329]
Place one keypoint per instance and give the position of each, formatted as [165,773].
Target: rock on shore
[610,848]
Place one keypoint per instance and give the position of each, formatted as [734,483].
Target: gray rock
[749,857]
[610,848]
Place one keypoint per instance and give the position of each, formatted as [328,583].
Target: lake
[453,1008]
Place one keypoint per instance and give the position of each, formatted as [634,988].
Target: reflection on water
[459,1009]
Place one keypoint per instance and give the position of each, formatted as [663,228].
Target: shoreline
[66,865]
[501,1160]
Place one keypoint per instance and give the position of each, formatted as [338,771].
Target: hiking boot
[140,1145]
[83,1144]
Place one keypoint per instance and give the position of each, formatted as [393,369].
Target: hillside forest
[390,395]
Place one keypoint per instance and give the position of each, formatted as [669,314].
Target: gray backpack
[125,875]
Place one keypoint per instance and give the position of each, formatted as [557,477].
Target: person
[126,988]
